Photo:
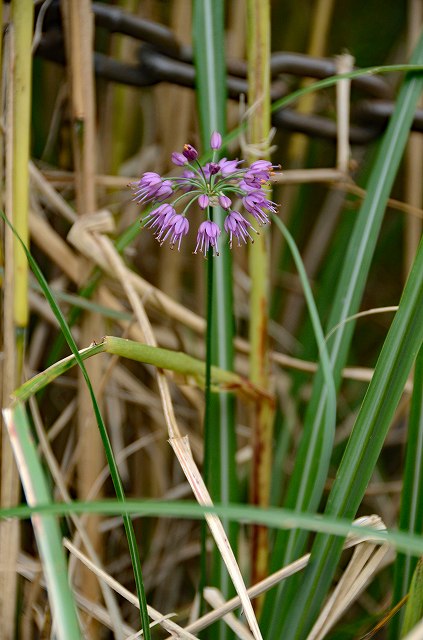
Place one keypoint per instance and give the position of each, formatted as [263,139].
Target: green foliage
[414,607]
[359,269]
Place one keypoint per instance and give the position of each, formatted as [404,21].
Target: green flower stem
[258,23]
[208,428]
[209,54]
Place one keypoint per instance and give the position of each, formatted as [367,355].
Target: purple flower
[147,187]
[159,218]
[176,227]
[257,204]
[225,202]
[227,167]
[262,169]
[253,180]
[164,190]
[261,165]
[237,226]
[190,152]
[208,233]
[246,187]
[179,159]
[203,201]
[211,168]
[215,140]
[210,185]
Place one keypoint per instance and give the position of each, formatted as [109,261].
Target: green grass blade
[271,517]
[411,514]
[177,361]
[208,36]
[347,299]
[46,529]
[399,351]
[316,464]
[114,472]
[414,609]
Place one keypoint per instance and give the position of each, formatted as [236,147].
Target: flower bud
[215,140]
[203,201]
[214,168]
[225,202]
[179,159]
[190,152]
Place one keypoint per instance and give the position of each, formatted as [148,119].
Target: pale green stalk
[176,361]
[22,18]
[219,458]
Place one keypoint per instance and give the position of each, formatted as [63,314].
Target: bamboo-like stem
[9,535]
[22,16]
[258,14]
[16,282]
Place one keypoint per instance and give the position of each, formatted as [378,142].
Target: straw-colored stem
[22,15]
[19,63]
[258,14]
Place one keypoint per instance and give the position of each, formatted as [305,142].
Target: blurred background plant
[94,94]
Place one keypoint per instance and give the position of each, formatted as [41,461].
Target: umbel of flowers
[217,183]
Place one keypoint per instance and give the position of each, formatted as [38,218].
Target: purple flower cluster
[217,183]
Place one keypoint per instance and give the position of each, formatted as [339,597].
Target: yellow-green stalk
[258,47]
[22,18]
[15,311]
